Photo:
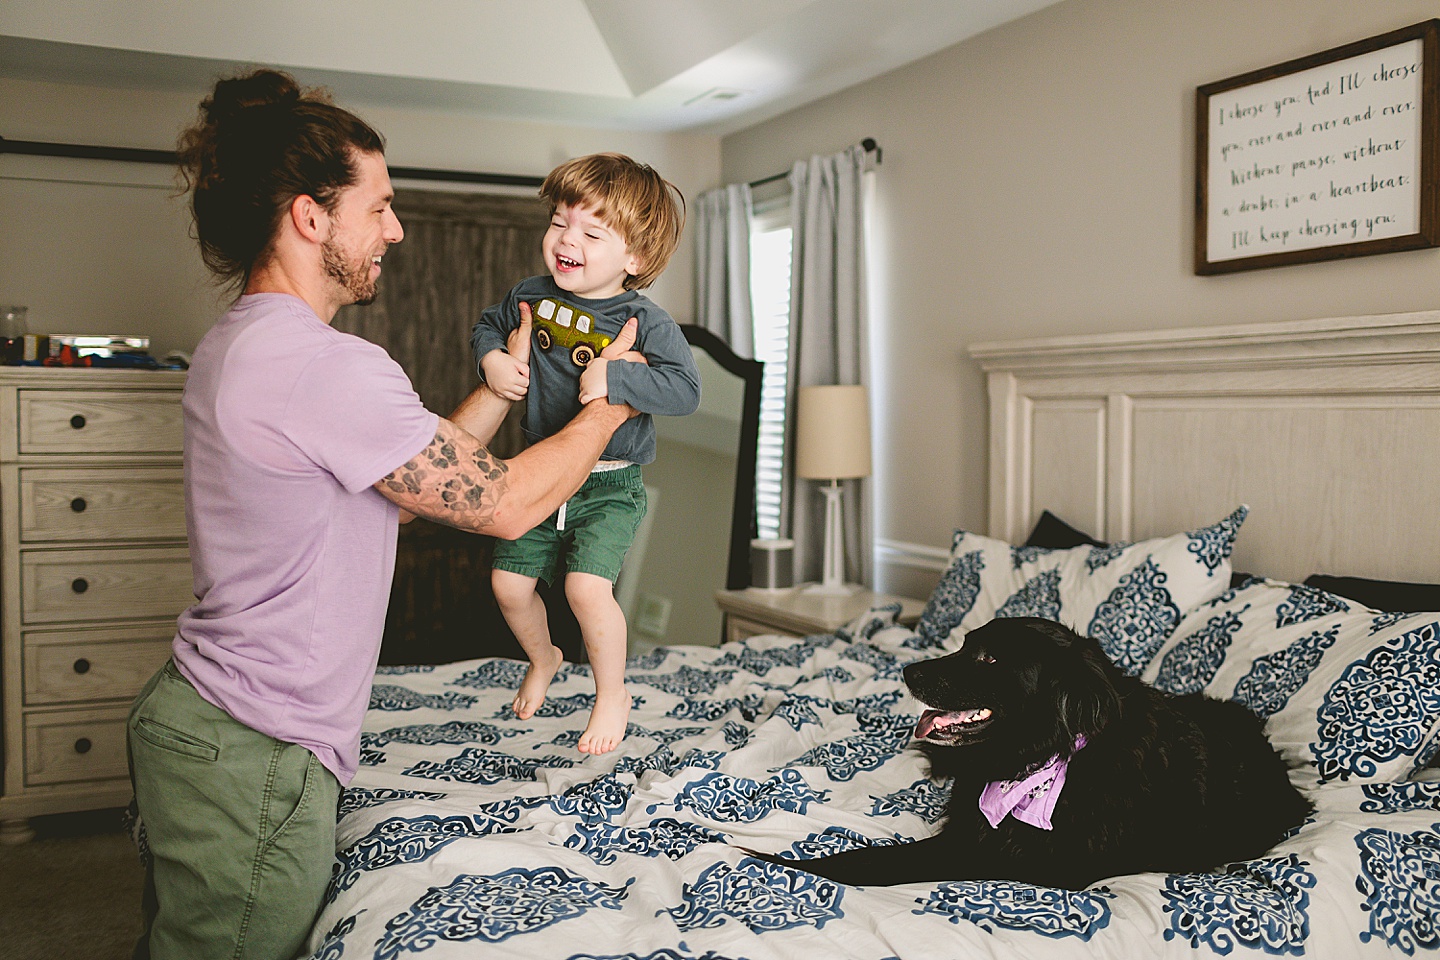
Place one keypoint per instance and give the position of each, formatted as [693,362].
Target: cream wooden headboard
[1328,429]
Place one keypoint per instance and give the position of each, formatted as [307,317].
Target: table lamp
[832,437]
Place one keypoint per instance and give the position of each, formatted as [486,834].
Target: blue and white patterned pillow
[1348,693]
[1129,596]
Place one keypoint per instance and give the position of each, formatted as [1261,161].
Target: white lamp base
[832,581]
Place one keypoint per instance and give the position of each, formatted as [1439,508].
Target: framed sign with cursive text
[1332,155]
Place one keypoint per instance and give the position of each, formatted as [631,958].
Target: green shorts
[600,524]
[240,828]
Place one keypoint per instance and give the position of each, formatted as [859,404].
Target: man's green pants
[240,828]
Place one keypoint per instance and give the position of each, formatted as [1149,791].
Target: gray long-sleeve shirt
[567,331]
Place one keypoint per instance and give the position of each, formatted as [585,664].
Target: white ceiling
[707,65]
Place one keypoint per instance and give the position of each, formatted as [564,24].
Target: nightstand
[795,613]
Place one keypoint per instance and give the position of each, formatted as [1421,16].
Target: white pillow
[1348,692]
[1128,596]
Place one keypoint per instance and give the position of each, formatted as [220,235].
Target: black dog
[1149,781]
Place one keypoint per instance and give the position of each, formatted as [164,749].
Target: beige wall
[99,247]
[1038,180]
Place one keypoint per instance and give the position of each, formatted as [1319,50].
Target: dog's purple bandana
[1032,798]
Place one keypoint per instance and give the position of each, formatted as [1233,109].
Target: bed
[1203,477]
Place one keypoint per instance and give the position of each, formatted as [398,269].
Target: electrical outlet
[652,615]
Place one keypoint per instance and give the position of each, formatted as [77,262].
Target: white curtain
[827,342]
[722,266]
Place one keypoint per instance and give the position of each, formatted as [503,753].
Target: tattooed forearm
[464,489]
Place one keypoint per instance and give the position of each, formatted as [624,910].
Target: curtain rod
[37,148]
[868,143]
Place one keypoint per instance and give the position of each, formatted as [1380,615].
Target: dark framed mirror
[695,539]
[742,517]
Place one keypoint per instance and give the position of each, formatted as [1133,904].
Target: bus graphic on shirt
[561,325]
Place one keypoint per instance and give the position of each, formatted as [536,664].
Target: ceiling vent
[715,95]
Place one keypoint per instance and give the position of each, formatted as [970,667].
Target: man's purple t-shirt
[288,424]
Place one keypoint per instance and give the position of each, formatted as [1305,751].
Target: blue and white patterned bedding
[471,833]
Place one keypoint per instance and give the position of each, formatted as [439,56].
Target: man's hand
[518,343]
[507,372]
[594,384]
[621,347]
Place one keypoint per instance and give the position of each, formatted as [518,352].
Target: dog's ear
[1085,697]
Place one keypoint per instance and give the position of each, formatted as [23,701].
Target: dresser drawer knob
[78,421]
[82,745]
[78,504]
[79,584]
[82,665]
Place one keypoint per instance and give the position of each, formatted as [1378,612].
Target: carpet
[72,892]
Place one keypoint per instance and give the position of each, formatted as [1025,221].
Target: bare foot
[536,682]
[607,723]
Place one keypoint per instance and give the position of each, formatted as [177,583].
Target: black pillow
[1052,533]
[1388,596]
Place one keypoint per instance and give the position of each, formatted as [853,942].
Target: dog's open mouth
[951,726]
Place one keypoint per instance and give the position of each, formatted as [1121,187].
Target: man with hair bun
[303,445]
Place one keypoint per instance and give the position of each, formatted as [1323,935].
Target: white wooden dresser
[94,568]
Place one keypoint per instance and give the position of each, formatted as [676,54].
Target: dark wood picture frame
[1324,235]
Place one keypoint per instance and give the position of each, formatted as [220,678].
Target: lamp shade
[832,433]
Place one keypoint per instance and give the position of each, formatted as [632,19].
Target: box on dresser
[94,568]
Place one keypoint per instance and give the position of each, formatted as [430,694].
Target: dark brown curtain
[461,253]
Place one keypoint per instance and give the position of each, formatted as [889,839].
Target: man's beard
[356,280]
